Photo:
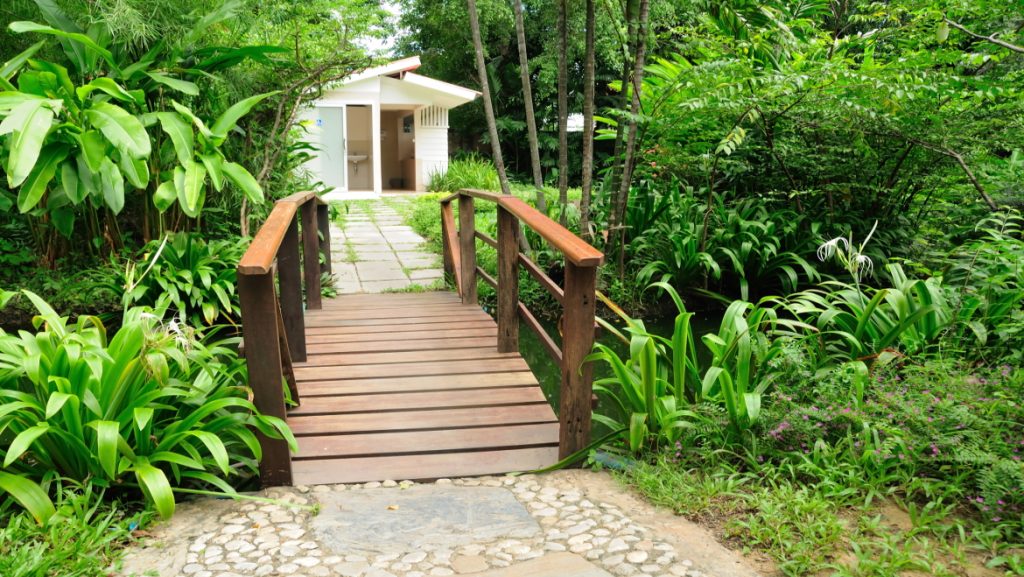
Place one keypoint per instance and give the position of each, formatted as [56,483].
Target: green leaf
[135,170]
[23,441]
[107,438]
[232,115]
[69,180]
[63,220]
[29,495]
[184,111]
[164,196]
[113,185]
[190,187]
[216,448]
[107,85]
[21,27]
[183,86]
[181,135]
[242,179]
[39,179]
[30,122]
[122,129]
[154,483]
[94,148]
[12,98]
[55,403]
[214,164]
[8,70]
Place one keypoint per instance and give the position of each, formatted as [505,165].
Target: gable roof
[443,94]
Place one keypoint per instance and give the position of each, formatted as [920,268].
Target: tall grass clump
[473,171]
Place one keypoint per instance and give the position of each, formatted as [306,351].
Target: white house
[385,128]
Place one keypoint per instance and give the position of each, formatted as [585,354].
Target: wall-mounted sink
[355,159]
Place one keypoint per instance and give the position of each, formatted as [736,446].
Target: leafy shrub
[184,273]
[473,171]
[152,409]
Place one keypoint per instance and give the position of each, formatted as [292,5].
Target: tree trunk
[481,69]
[622,199]
[563,111]
[588,123]
[617,167]
[531,120]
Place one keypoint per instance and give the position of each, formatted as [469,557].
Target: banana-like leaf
[30,121]
[183,86]
[122,129]
[38,180]
[23,441]
[135,170]
[226,121]
[214,164]
[75,38]
[243,180]
[8,70]
[113,185]
[108,437]
[181,135]
[29,495]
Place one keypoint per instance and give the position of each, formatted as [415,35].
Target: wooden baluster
[508,282]
[467,249]
[577,341]
[323,222]
[311,255]
[290,278]
[263,356]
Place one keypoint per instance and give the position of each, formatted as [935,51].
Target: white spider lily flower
[864,263]
[829,249]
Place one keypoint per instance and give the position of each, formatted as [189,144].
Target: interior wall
[390,164]
[359,128]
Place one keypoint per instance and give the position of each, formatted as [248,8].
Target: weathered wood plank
[395,357]
[289,275]
[418,400]
[410,342]
[421,467]
[393,312]
[309,389]
[508,282]
[318,321]
[577,341]
[467,250]
[325,335]
[433,327]
[366,444]
[415,420]
[311,256]
[307,373]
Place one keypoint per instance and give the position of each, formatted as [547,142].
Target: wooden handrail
[273,318]
[577,298]
[575,249]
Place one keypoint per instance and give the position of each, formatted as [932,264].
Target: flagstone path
[372,251]
[561,524]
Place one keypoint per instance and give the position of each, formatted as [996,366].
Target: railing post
[467,245]
[263,359]
[577,341]
[508,282]
[323,222]
[311,255]
[290,277]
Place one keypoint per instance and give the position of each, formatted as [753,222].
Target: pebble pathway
[372,251]
[274,539]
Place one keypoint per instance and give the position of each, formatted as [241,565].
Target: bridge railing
[271,275]
[577,297]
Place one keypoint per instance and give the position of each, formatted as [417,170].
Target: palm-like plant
[151,409]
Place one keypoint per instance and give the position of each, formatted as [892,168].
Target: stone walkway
[562,524]
[372,251]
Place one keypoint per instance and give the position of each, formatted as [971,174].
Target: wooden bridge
[412,385]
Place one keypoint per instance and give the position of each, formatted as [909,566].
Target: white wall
[431,128]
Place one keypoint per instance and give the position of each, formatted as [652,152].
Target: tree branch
[993,38]
[963,165]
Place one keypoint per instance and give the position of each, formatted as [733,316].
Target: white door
[333,160]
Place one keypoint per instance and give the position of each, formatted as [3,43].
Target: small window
[407,124]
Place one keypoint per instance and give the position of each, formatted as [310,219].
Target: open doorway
[397,150]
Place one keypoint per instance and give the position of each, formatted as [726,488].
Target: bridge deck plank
[411,386]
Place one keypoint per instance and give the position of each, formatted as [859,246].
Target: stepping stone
[552,565]
[420,517]
[373,271]
[426,274]
[379,286]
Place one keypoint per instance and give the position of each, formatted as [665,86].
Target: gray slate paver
[373,271]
